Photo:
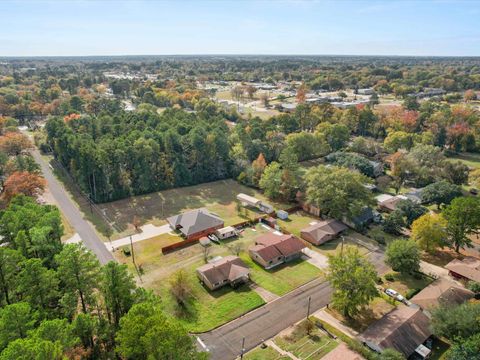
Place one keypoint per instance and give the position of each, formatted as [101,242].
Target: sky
[81,28]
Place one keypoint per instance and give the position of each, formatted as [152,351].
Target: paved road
[225,342]
[72,213]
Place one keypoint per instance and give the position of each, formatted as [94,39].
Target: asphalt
[225,342]
[86,231]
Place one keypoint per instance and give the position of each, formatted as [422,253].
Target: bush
[379,280]
[411,293]
[126,251]
[390,277]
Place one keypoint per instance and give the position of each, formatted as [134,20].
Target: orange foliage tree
[22,182]
[13,143]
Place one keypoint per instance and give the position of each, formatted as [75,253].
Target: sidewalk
[148,231]
[325,316]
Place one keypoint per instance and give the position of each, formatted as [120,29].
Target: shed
[226,232]
[282,214]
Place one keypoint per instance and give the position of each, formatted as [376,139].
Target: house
[227,270]
[271,249]
[322,231]
[467,269]
[377,168]
[226,232]
[247,200]
[404,329]
[389,203]
[441,292]
[415,195]
[366,216]
[195,223]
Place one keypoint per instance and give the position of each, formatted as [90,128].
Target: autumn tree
[250,90]
[258,166]
[22,182]
[301,93]
[430,231]
[14,143]
[470,95]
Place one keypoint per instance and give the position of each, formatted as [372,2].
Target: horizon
[433,28]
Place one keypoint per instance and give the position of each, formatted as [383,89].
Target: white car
[392,293]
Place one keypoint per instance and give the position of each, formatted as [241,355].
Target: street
[72,213]
[225,342]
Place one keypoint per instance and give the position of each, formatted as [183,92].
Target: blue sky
[436,27]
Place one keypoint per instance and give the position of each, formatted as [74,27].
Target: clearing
[470,159]
[219,197]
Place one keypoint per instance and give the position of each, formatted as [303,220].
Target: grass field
[208,309]
[404,282]
[296,222]
[373,312]
[470,159]
[218,197]
[264,354]
[282,278]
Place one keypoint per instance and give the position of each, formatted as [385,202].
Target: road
[225,342]
[72,213]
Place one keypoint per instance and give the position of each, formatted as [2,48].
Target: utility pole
[243,348]
[131,250]
[308,307]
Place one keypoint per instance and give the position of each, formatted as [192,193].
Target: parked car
[392,293]
[213,238]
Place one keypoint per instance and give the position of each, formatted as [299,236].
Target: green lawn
[264,354]
[282,278]
[404,282]
[334,246]
[207,309]
[218,197]
[470,159]
[306,346]
[296,222]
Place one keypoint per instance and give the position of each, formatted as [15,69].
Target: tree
[38,286]
[474,178]
[463,220]
[271,181]
[180,287]
[258,167]
[456,322]
[146,333]
[117,290]
[9,260]
[394,223]
[411,103]
[396,140]
[34,349]
[22,182]
[353,280]
[466,349]
[470,95]
[410,210]
[307,146]
[455,172]
[430,231]
[15,322]
[13,143]
[56,331]
[301,93]
[250,90]
[79,273]
[440,192]
[336,135]
[403,256]
[280,182]
[337,192]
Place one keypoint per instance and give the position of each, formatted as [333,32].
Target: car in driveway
[214,238]
[393,294]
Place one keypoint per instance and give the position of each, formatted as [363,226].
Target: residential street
[225,342]
[72,213]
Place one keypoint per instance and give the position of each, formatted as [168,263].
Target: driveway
[315,258]
[148,231]
[85,230]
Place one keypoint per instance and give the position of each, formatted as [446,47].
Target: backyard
[219,197]
[405,283]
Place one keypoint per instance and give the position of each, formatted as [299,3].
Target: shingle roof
[227,268]
[271,246]
[402,329]
[469,268]
[194,221]
[325,228]
[442,292]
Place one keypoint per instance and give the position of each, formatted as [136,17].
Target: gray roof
[194,221]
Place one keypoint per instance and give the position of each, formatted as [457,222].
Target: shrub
[411,293]
[390,277]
